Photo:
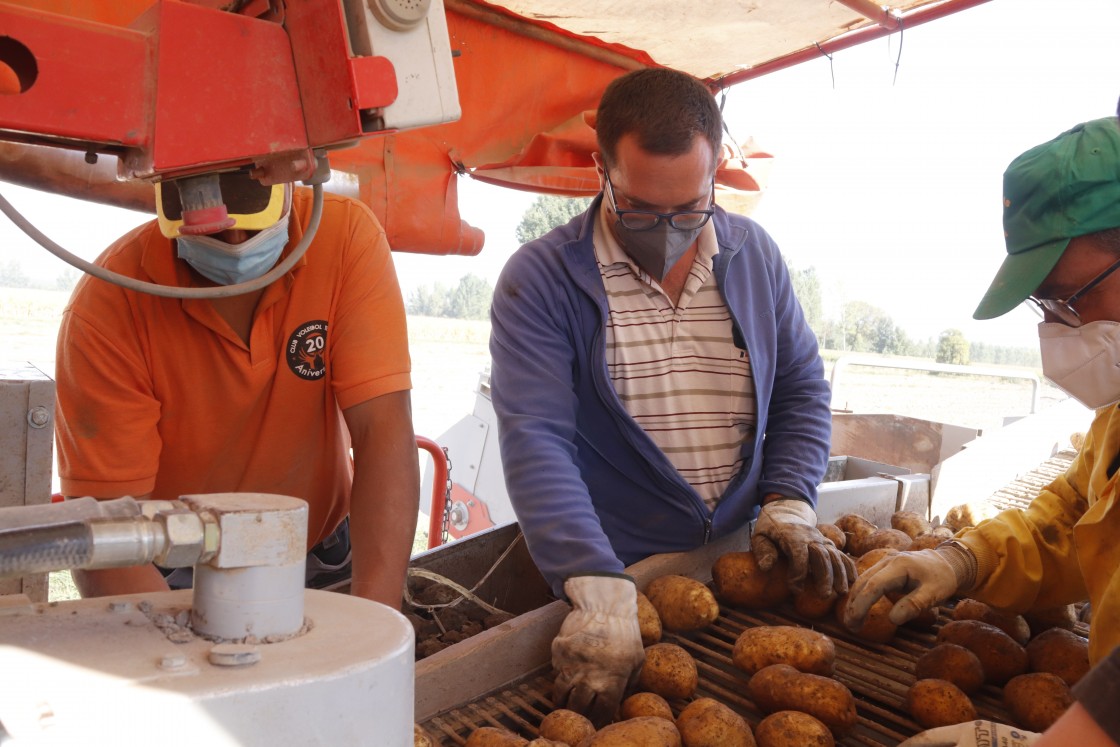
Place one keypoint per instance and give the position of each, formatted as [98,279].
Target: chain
[446,501]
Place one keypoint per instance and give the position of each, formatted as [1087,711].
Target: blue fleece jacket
[591,490]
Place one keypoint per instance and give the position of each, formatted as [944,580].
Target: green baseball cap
[1064,188]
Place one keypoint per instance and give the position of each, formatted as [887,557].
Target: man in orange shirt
[265,391]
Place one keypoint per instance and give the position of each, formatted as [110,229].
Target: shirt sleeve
[369,355]
[1099,692]
[106,419]
[1028,557]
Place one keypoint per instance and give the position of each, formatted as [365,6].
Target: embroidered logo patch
[307,349]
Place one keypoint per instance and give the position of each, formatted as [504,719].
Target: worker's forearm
[113,581]
[385,498]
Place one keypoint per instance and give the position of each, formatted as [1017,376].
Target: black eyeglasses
[646,220]
[1063,309]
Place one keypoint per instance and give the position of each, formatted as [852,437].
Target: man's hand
[973,734]
[930,577]
[789,526]
[598,651]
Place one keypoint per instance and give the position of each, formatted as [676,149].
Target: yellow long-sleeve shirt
[1065,546]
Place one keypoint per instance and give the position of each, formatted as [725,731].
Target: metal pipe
[872,11]
[439,490]
[917,18]
[845,360]
[68,172]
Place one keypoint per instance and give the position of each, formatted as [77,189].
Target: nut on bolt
[186,538]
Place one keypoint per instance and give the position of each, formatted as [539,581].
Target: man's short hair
[664,109]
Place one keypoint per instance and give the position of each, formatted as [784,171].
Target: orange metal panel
[85,82]
[227,90]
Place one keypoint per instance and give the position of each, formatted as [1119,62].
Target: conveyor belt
[1021,491]
[878,675]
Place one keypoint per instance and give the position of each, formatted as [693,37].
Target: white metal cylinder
[257,601]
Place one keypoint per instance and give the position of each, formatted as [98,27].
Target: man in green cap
[1061,218]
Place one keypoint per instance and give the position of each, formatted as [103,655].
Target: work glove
[598,652]
[973,734]
[789,526]
[929,577]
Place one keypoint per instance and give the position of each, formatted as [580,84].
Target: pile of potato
[1034,659]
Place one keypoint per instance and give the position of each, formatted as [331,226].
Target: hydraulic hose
[168,291]
[45,549]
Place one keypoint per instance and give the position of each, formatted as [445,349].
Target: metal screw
[38,417]
[120,606]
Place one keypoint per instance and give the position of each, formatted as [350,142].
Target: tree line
[861,326]
[864,328]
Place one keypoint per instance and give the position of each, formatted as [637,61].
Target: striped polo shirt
[677,370]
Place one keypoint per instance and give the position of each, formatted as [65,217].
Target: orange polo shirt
[160,395]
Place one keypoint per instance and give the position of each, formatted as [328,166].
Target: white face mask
[1084,362]
[229,264]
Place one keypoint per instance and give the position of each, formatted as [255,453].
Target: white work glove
[789,526]
[973,734]
[598,651]
[930,577]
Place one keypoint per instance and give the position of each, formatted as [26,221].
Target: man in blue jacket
[655,384]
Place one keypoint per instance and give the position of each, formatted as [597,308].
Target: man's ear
[600,169]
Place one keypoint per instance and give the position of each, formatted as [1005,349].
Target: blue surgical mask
[230,264]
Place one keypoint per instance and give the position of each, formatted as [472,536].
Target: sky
[889,185]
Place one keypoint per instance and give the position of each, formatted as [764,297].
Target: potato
[646,704]
[833,533]
[569,727]
[1010,623]
[1060,652]
[542,742]
[737,580]
[648,621]
[877,626]
[1036,700]
[969,514]
[1054,617]
[952,663]
[866,561]
[925,542]
[669,671]
[792,729]
[803,649]
[910,522]
[1001,657]
[880,538]
[682,603]
[708,723]
[810,604]
[420,737]
[780,687]
[935,703]
[854,525]
[647,731]
[492,736]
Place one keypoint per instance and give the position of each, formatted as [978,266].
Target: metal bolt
[38,417]
[234,655]
[172,661]
[91,157]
